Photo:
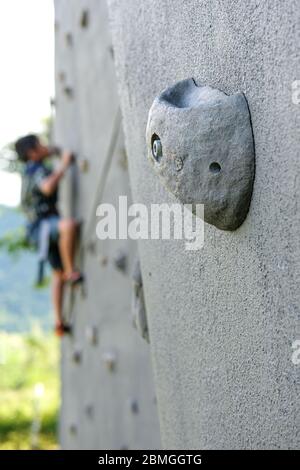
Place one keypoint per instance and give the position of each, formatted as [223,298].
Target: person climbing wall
[53,236]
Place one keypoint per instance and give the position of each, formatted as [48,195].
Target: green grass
[25,361]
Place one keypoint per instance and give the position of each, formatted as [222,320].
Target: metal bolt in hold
[178,163]
[157,149]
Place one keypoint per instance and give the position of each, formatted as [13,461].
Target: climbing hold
[76,356]
[69,39]
[103,260]
[120,261]
[111,51]
[134,406]
[73,429]
[110,360]
[68,91]
[89,410]
[92,335]
[139,313]
[91,246]
[84,165]
[84,19]
[200,143]
[62,76]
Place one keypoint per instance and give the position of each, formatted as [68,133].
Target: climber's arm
[49,184]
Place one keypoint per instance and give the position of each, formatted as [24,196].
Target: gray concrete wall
[101,408]
[221,320]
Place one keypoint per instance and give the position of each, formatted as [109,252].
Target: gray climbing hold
[84,165]
[134,406]
[69,39]
[109,359]
[103,260]
[92,335]
[200,143]
[73,429]
[138,303]
[120,261]
[68,91]
[62,76]
[76,356]
[111,51]
[84,19]
[89,410]
[91,246]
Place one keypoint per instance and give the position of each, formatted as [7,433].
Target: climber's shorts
[53,251]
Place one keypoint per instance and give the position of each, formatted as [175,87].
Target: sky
[26,70]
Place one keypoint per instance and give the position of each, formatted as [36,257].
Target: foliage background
[28,349]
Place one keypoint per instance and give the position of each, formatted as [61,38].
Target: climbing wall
[108,398]
[221,320]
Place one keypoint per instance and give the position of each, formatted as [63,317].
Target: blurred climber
[53,236]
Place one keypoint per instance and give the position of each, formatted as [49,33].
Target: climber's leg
[67,239]
[57,296]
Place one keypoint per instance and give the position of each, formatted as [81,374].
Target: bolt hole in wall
[215,167]
[156,147]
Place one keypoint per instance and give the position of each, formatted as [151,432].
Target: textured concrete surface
[222,320]
[206,150]
[108,398]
